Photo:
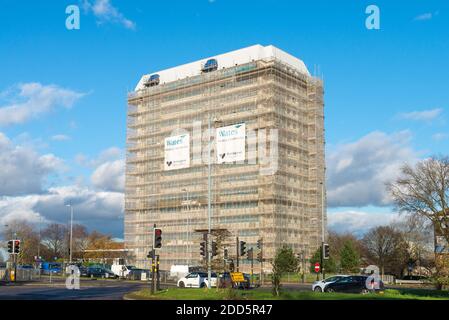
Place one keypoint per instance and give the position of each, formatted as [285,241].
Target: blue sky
[386,92]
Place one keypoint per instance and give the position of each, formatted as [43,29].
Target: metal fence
[21,275]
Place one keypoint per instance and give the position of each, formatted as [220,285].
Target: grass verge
[265,294]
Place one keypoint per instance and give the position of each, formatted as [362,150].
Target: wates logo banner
[177,152]
[231,143]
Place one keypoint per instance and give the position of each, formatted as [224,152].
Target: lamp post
[188,225]
[209,206]
[71,230]
[323,272]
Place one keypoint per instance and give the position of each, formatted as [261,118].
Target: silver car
[318,286]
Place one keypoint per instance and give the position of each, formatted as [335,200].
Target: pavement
[89,290]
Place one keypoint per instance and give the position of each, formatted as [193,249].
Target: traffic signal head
[250,254]
[10,246]
[242,248]
[16,246]
[326,251]
[259,244]
[214,249]
[259,257]
[157,238]
[203,249]
[225,254]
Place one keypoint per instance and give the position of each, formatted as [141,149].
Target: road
[89,290]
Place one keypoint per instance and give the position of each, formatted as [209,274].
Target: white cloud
[425,115]
[440,136]
[60,137]
[106,155]
[357,171]
[359,222]
[96,210]
[23,170]
[29,100]
[105,12]
[426,16]
[110,176]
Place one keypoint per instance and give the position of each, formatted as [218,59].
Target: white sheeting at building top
[227,60]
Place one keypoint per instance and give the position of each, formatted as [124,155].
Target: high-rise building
[266,118]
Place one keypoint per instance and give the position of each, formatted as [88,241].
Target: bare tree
[385,247]
[54,238]
[24,231]
[423,191]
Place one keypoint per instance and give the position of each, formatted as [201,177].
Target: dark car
[225,281]
[96,272]
[355,284]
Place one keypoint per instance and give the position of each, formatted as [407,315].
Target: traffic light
[250,254]
[259,257]
[242,248]
[326,253]
[214,248]
[259,244]
[10,246]
[157,238]
[225,254]
[203,249]
[150,254]
[17,246]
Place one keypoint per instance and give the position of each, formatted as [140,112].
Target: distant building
[271,190]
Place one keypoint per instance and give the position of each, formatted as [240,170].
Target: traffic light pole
[252,266]
[238,253]
[158,278]
[323,273]
[15,267]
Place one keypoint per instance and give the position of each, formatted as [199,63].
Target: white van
[178,271]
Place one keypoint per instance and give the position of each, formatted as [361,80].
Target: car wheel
[181,285]
[365,291]
[202,285]
[330,290]
[318,289]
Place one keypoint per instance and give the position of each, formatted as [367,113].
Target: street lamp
[188,224]
[71,230]
[209,207]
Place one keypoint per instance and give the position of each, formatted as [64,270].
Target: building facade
[267,181]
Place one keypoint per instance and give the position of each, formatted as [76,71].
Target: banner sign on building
[177,152]
[231,143]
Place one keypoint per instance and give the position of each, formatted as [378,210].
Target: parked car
[318,286]
[225,281]
[25,267]
[96,272]
[196,280]
[51,267]
[354,284]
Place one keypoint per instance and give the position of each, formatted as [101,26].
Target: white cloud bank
[97,210]
[29,100]
[105,12]
[357,171]
[359,222]
[23,170]
[425,115]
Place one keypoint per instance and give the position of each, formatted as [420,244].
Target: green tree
[349,258]
[284,261]
[330,265]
